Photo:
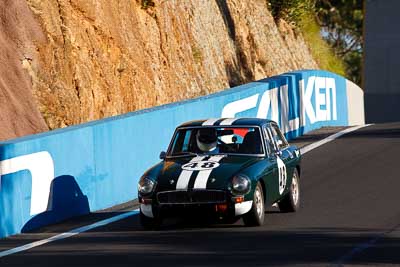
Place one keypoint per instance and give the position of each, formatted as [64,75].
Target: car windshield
[217,140]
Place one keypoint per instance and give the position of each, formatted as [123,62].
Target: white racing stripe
[228,121]
[69,233]
[202,177]
[183,180]
[210,122]
[330,138]
[184,177]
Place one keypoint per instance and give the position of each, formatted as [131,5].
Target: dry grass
[320,50]
[301,13]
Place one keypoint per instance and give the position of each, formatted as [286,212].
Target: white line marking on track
[330,138]
[360,248]
[69,233]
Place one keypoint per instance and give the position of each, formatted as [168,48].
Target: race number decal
[200,166]
[204,168]
[282,175]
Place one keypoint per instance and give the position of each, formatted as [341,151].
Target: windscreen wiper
[185,154]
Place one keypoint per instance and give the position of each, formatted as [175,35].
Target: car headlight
[240,184]
[145,185]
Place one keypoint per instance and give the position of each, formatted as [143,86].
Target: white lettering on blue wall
[41,167]
[269,100]
[231,109]
[317,103]
[287,124]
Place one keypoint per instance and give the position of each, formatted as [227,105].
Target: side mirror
[279,142]
[163,155]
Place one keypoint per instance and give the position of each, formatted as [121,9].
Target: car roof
[227,122]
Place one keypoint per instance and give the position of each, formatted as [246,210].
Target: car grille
[191,197]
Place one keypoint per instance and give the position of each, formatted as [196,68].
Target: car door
[271,173]
[284,157]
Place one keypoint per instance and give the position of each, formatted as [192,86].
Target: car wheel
[291,202]
[150,223]
[255,217]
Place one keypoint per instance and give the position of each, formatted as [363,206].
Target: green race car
[222,168]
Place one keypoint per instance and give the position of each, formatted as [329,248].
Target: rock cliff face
[99,58]
[18,33]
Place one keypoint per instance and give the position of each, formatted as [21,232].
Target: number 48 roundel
[200,165]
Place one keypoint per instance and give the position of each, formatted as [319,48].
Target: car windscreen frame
[264,154]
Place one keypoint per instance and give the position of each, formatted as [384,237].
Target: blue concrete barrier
[52,176]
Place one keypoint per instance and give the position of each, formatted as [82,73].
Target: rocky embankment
[66,62]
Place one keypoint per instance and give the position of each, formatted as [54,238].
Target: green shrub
[197,54]
[322,53]
[301,13]
[147,3]
[291,10]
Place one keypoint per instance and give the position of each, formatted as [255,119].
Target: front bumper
[209,203]
[192,197]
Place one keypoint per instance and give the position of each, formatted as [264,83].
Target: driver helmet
[206,139]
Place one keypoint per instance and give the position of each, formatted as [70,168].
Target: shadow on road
[183,244]
[388,130]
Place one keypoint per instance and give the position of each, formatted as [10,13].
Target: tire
[255,217]
[150,223]
[291,202]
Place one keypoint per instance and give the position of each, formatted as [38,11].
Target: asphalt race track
[350,215]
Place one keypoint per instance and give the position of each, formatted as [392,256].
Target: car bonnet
[201,172]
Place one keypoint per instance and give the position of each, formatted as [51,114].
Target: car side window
[278,137]
[185,146]
[268,141]
[181,143]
